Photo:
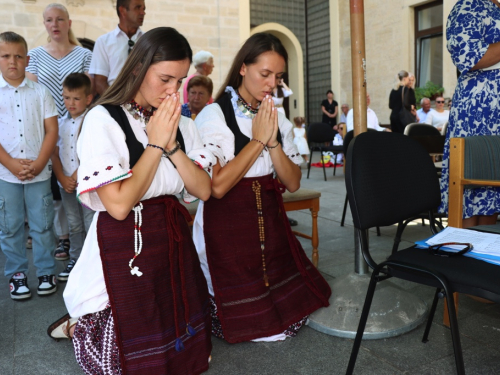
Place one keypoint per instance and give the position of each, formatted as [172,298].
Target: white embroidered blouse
[104,158]
[219,139]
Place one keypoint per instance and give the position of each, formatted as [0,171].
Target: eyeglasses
[436,249]
[440,101]
[130,45]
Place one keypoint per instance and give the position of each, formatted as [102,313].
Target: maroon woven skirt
[247,307]
[162,318]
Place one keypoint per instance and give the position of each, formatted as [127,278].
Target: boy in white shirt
[28,135]
[77,97]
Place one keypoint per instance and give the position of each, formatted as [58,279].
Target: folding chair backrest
[419,130]
[389,178]
[444,128]
[319,133]
[348,138]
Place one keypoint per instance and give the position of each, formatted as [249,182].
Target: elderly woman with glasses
[439,116]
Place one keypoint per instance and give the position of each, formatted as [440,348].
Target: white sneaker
[19,289]
[46,285]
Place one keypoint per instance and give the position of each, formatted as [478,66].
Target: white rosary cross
[135,271]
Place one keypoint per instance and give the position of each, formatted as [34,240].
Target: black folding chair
[320,137]
[347,139]
[376,164]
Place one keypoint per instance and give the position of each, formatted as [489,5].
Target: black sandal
[62,248]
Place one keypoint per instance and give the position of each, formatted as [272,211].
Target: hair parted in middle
[203,81]
[71,36]
[248,54]
[157,45]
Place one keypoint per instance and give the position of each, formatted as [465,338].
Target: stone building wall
[212,25]
[389,39]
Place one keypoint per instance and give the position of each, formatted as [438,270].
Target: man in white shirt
[371,119]
[345,109]
[422,113]
[111,49]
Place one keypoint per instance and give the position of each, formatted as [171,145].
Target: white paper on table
[483,243]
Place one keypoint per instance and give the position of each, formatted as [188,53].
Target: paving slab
[26,349]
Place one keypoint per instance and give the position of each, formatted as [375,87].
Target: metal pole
[360,266]
[308,109]
[394,311]
[358,62]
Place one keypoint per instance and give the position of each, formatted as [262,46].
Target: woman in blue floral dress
[473,34]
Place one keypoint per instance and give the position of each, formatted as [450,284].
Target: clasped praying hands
[265,123]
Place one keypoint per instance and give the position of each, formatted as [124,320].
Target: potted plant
[430,90]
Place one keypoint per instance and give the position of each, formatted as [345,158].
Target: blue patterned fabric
[185,111]
[472,26]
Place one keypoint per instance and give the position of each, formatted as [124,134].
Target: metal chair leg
[362,321]
[397,238]
[430,318]
[378,231]
[323,164]
[344,212]
[310,161]
[334,164]
[455,335]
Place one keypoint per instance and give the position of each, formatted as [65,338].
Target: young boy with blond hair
[77,97]
[28,135]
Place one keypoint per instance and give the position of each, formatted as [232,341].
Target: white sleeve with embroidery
[196,151]
[215,134]
[103,154]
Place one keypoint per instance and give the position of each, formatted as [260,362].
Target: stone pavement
[25,348]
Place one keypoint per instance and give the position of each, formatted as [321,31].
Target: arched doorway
[295,64]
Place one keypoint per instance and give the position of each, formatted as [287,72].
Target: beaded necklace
[262,237]
[138,112]
[246,108]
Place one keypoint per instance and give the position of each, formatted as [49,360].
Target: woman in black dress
[398,98]
[329,107]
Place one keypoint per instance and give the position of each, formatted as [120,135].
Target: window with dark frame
[429,43]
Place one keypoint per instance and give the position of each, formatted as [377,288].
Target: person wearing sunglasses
[112,49]
[439,116]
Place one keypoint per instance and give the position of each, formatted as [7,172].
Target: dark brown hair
[159,44]
[121,3]
[248,54]
[76,81]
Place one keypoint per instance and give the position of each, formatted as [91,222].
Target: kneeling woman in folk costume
[138,290]
[262,283]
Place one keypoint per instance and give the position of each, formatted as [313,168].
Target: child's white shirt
[23,110]
[68,135]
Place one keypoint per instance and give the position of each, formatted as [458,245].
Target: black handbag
[405,116]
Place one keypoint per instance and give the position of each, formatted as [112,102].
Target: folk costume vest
[161,317]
